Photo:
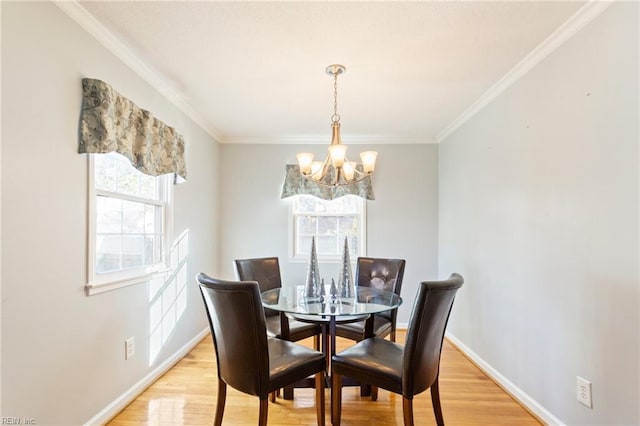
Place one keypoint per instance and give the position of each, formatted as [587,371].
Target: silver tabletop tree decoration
[312,285]
[345,276]
[333,290]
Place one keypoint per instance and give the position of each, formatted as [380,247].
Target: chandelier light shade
[336,169]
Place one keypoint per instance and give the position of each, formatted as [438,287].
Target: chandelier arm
[325,167]
[333,185]
[339,178]
[359,173]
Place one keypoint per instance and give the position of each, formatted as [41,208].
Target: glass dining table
[328,310]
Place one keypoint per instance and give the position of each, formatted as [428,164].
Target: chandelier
[336,169]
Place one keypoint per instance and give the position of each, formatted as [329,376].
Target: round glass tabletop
[293,299]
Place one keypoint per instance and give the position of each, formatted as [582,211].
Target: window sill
[101,287]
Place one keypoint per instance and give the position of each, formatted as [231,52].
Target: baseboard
[118,404]
[530,404]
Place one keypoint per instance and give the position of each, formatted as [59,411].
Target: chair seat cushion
[290,362]
[297,330]
[355,330]
[374,361]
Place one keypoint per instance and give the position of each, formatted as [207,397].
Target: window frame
[101,282]
[296,257]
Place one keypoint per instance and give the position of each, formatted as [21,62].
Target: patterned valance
[110,122]
[295,184]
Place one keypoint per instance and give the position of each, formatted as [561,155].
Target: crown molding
[90,24]
[326,139]
[563,33]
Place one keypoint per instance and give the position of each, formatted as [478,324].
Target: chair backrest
[385,274]
[264,270]
[425,334]
[237,322]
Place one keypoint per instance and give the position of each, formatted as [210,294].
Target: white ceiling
[255,71]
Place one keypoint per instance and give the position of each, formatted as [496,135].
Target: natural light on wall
[168,297]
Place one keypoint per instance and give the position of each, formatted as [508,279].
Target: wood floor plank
[186,395]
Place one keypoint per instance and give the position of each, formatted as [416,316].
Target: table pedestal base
[329,348]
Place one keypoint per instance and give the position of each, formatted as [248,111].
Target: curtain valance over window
[110,122]
[295,184]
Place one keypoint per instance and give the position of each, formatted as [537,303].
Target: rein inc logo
[17,421]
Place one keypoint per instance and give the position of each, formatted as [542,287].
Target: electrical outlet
[129,347]
[583,391]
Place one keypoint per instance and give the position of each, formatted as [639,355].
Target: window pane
[353,246]
[348,225]
[150,218]
[132,251]
[108,248]
[149,243]
[327,225]
[105,172]
[307,224]
[133,215]
[128,180]
[305,204]
[327,246]
[349,204]
[108,215]
[157,248]
[114,172]
[148,186]
[332,206]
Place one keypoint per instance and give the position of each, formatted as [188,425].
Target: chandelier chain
[335,117]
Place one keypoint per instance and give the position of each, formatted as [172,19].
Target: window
[330,221]
[128,217]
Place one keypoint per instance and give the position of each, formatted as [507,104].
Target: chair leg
[374,393]
[407,411]
[393,336]
[320,398]
[435,401]
[272,396]
[287,393]
[264,409]
[316,342]
[222,396]
[336,399]
[365,390]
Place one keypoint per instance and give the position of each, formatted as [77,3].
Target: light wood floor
[186,395]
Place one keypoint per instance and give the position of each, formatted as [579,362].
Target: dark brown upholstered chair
[381,273]
[407,370]
[266,271]
[247,359]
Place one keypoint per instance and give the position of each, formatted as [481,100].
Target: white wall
[402,220]
[63,352]
[539,211]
